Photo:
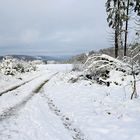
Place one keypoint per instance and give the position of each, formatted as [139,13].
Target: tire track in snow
[76,133]
[13,110]
[17,86]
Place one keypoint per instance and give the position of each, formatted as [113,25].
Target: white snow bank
[102,113]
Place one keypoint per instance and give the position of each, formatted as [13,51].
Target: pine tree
[116,18]
[118,14]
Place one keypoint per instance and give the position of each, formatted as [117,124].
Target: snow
[34,122]
[100,112]
[63,110]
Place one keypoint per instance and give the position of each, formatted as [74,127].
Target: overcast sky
[52,27]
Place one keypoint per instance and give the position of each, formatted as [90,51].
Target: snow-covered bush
[98,67]
[27,66]
[77,67]
[101,68]
[11,66]
[6,66]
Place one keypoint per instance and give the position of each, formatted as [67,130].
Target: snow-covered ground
[64,111]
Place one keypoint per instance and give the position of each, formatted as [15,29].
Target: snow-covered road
[51,108]
[23,92]
[25,115]
[34,121]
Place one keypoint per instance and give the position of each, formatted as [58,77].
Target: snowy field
[62,110]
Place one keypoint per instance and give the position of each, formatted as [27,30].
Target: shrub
[11,66]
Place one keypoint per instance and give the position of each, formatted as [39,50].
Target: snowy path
[11,120]
[7,112]
[17,86]
[12,114]
[25,115]
[34,123]
[75,132]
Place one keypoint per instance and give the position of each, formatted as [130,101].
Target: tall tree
[116,17]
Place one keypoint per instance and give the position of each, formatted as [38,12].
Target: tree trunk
[126,29]
[134,88]
[117,21]
[116,43]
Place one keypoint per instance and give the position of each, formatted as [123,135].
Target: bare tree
[130,6]
[133,67]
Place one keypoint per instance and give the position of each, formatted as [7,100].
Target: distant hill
[55,58]
[20,57]
[43,58]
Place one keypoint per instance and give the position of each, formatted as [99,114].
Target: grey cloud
[66,26]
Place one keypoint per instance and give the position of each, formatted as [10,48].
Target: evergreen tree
[118,14]
[116,17]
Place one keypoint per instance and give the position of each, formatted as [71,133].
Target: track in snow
[13,110]
[76,133]
[17,86]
